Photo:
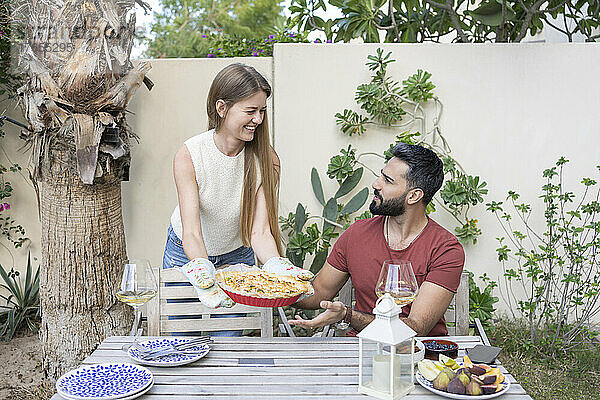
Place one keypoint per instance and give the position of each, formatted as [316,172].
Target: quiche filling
[262,284]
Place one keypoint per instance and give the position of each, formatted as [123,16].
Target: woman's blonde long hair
[232,84]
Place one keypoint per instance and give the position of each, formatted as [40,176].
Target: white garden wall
[509,112]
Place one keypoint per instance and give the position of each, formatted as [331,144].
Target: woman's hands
[201,274]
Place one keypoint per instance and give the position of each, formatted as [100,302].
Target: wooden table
[271,368]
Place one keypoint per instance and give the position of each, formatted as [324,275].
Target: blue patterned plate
[170,360]
[109,381]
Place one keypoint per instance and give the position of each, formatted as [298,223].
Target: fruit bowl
[461,380]
[429,386]
[435,347]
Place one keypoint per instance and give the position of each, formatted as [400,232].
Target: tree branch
[391,11]
[453,17]
[530,12]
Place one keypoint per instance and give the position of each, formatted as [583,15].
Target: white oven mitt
[283,266]
[201,274]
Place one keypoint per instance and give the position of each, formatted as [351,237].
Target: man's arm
[431,303]
[327,284]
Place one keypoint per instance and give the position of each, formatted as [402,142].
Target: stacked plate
[109,381]
[172,360]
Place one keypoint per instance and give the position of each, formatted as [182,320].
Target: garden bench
[159,310]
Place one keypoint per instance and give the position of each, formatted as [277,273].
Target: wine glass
[398,279]
[138,285]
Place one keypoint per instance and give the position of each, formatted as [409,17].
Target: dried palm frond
[79,80]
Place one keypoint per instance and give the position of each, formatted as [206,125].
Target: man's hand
[334,312]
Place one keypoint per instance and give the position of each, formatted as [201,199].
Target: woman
[227,179]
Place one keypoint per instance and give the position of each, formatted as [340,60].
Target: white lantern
[386,353]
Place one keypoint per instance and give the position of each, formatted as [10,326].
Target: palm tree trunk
[83,246]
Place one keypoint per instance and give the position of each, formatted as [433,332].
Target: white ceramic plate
[108,381]
[429,386]
[171,360]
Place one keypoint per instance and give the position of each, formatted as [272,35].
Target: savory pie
[262,284]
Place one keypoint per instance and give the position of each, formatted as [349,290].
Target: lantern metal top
[387,327]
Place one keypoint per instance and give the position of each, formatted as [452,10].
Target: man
[400,231]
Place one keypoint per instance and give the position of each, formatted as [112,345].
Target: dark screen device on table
[483,354]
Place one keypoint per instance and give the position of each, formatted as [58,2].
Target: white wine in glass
[398,279]
[138,285]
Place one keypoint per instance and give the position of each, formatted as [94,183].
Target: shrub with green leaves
[481,303]
[553,275]
[389,104]
[22,303]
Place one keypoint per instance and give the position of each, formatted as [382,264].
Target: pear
[456,386]
[428,369]
[441,381]
[474,389]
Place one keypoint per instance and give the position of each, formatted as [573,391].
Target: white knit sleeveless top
[219,178]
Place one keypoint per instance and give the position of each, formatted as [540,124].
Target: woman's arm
[189,201]
[261,238]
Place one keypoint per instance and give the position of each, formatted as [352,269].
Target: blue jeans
[174,256]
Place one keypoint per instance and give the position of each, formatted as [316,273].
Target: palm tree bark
[82,246]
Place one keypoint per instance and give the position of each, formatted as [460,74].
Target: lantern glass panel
[377,369]
[370,351]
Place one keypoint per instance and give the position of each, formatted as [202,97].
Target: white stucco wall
[509,112]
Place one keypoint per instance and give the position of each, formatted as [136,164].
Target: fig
[476,379]
[474,389]
[463,378]
[441,381]
[456,386]
[494,372]
[449,372]
[487,379]
[489,389]
[464,371]
[477,370]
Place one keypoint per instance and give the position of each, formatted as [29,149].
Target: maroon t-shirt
[436,256]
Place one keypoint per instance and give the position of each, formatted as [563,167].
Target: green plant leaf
[490,13]
[356,202]
[349,183]
[300,218]
[316,185]
[318,261]
[330,211]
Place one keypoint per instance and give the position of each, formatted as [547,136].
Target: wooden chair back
[159,310]
[457,314]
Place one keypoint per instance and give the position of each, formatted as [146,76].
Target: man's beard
[392,207]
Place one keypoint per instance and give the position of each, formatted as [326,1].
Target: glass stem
[136,322]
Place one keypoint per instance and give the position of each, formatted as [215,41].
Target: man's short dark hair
[425,169]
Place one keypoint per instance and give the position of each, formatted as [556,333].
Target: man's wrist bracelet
[348,317]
